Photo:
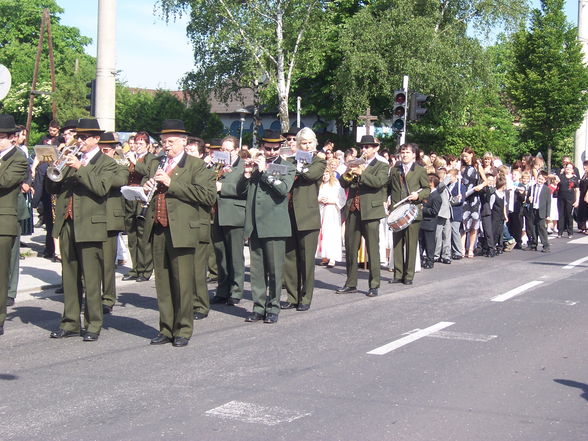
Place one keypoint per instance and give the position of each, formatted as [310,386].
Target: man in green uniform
[267,179]
[80,225]
[13,171]
[139,246]
[229,220]
[306,223]
[115,222]
[363,210]
[407,180]
[184,188]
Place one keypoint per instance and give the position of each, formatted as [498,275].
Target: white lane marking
[582,240]
[576,263]
[449,335]
[515,292]
[383,350]
[253,413]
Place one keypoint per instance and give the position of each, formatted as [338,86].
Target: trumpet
[145,205]
[352,167]
[55,171]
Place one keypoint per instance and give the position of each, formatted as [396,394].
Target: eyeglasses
[272,148]
[291,138]
[82,137]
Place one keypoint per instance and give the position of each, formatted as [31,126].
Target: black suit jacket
[431,209]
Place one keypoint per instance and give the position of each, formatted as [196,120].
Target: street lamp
[242,112]
[257,83]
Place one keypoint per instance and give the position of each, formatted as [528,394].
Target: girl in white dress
[331,199]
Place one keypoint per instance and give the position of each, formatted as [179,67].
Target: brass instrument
[55,171]
[352,166]
[120,157]
[145,205]
[220,162]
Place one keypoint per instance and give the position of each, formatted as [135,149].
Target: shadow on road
[35,315]
[570,383]
[132,298]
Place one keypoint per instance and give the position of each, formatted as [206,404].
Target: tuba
[55,171]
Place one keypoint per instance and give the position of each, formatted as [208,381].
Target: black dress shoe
[233,301]
[407,282]
[372,292]
[106,309]
[10,301]
[142,279]
[271,318]
[59,290]
[302,307]
[90,336]
[217,300]
[346,290]
[1,330]
[445,261]
[180,342]
[396,281]
[199,316]
[160,339]
[62,333]
[254,317]
[129,277]
[455,257]
[288,305]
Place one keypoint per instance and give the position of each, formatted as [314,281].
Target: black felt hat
[108,138]
[89,125]
[292,131]
[7,124]
[270,136]
[173,126]
[215,143]
[368,140]
[69,124]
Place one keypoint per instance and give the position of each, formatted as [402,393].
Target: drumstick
[405,199]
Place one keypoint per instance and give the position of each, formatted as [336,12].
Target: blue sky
[151,53]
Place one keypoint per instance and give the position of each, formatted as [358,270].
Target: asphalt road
[482,349]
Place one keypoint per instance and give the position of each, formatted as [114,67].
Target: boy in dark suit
[541,206]
[431,209]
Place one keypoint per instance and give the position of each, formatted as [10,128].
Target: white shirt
[407,167]
[88,156]
[5,152]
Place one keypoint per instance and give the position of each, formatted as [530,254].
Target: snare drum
[402,217]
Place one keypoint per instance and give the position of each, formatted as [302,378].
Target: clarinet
[145,205]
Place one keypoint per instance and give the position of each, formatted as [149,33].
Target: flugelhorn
[55,171]
[145,205]
[352,166]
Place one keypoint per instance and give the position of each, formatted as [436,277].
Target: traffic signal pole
[106,64]
[581,141]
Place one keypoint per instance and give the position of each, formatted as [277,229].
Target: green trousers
[405,251]
[6,243]
[80,259]
[299,266]
[14,266]
[174,282]
[201,299]
[139,245]
[230,261]
[355,228]
[267,261]
[108,281]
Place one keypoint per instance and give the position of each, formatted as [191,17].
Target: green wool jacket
[189,199]
[372,187]
[305,195]
[415,179]
[13,171]
[89,186]
[231,204]
[115,203]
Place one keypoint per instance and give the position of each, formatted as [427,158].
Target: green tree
[235,42]
[548,79]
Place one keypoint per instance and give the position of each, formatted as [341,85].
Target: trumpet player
[229,220]
[140,160]
[363,210]
[178,224]
[80,225]
[115,222]
[305,219]
[267,225]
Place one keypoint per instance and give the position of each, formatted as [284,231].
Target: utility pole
[106,65]
[581,141]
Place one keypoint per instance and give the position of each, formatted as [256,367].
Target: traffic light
[418,103]
[91,97]
[399,111]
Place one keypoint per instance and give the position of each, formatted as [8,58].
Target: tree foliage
[548,79]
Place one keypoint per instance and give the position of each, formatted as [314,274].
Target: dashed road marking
[254,413]
[575,263]
[383,350]
[515,292]
[465,336]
